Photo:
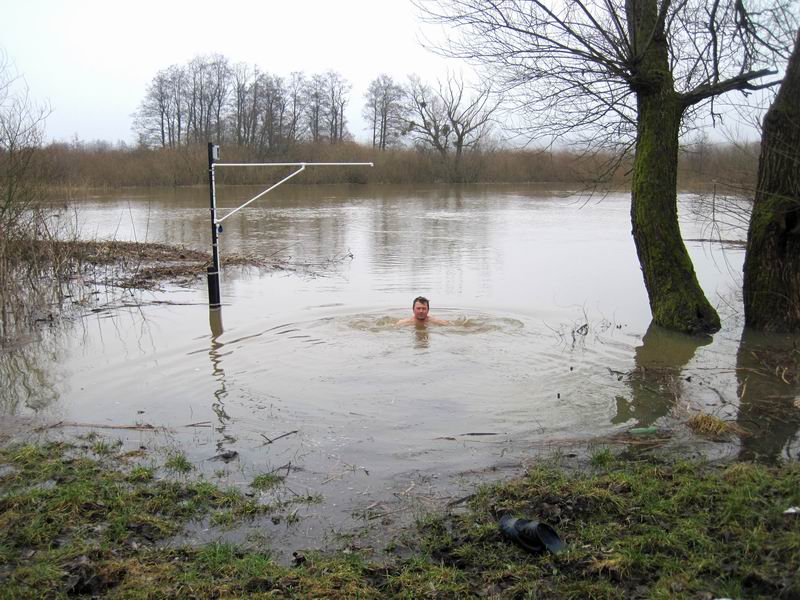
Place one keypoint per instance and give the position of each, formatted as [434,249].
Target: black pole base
[215,321]
[213,288]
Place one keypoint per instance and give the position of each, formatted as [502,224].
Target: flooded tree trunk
[676,299]
[772,261]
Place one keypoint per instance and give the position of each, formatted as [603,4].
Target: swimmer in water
[421,306]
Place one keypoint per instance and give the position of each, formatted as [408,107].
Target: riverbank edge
[84,518]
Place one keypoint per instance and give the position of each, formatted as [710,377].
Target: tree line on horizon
[211,99]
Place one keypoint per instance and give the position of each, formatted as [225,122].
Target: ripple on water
[457,325]
[505,373]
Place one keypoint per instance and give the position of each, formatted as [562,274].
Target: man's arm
[436,321]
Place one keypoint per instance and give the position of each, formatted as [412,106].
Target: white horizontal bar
[299,164]
[253,199]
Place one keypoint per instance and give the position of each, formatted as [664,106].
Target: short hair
[421,300]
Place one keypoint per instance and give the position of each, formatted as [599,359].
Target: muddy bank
[88,518]
[43,281]
[136,264]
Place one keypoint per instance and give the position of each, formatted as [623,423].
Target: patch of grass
[713,427]
[266,481]
[178,463]
[69,515]
[309,499]
[673,530]
[140,474]
[104,448]
[73,523]
[602,458]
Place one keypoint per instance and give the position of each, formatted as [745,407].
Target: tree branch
[740,82]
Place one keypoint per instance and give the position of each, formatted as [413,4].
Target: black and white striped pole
[213,269]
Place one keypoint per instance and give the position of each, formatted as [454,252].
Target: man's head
[420,306]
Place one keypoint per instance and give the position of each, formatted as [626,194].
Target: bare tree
[447,118]
[209,81]
[772,261]
[24,219]
[21,133]
[427,122]
[628,74]
[219,89]
[177,83]
[385,110]
[152,120]
[315,104]
[469,117]
[245,97]
[295,129]
[337,88]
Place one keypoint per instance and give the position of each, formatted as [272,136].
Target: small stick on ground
[142,427]
[269,441]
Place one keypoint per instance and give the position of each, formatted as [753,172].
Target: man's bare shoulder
[435,321]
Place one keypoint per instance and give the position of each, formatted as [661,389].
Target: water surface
[550,338]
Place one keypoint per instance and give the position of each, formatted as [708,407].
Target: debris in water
[226,456]
[709,425]
[644,430]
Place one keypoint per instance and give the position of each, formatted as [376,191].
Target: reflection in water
[28,375]
[421,336]
[215,354]
[656,383]
[768,407]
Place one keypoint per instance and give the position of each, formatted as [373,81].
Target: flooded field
[304,373]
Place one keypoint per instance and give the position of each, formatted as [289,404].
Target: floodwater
[550,341]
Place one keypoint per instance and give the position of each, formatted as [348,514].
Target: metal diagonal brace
[284,180]
[214,296]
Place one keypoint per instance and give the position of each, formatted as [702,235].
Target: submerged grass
[76,523]
[713,427]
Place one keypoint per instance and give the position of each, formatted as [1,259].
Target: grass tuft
[178,463]
[713,427]
[266,481]
[602,458]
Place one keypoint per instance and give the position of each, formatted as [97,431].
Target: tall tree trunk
[772,261]
[676,298]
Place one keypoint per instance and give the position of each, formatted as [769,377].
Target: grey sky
[92,59]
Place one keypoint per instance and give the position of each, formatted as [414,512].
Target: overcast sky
[92,59]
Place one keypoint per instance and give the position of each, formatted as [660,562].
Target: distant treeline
[211,98]
[102,165]
[421,132]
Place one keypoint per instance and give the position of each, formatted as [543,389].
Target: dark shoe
[533,536]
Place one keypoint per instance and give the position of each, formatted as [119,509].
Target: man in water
[421,306]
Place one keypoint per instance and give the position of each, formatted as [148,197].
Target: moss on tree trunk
[772,262]
[676,298]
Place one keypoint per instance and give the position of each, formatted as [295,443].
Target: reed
[79,166]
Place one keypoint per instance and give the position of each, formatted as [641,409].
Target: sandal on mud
[533,536]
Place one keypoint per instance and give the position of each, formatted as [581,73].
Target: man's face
[420,311]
